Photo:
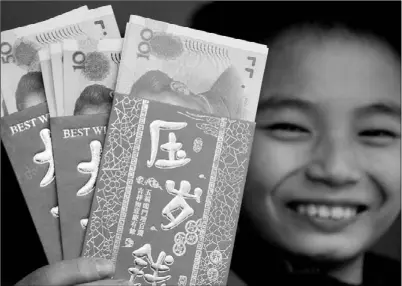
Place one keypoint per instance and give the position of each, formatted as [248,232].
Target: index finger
[70,272]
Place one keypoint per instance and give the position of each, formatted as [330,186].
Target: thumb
[70,272]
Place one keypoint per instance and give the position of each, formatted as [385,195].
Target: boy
[324,174]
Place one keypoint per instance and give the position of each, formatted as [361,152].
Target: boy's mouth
[328,211]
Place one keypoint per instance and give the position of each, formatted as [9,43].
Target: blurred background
[21,251]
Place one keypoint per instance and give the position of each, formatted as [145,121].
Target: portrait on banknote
[30,90]
[158,85]
[94,99]
[90,75]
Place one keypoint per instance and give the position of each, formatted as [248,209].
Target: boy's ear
[111,94]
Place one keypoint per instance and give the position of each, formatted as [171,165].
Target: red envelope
[168,194]
[77,142]
[27,139]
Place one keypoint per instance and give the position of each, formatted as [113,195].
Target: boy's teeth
[323,211]
[337,212]
[311,210]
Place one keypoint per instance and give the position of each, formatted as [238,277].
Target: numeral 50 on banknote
[6,53]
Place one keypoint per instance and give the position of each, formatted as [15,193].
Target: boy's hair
[263,21]
[302,35]
[30,82]
[153,81]
[93,95]
[308,32]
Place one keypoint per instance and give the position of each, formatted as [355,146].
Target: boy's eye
[378,137]
[288,131]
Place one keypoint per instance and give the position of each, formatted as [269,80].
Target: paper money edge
[44,55]
[202,35]
[56,53]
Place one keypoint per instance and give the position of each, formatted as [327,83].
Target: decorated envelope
[168,193]
[27,139]
[77,142]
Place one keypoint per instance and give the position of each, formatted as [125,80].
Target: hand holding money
[76,64]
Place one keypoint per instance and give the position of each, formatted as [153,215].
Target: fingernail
[104,267]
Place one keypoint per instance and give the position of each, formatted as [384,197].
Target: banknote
[182,66]
[21,79]
[7,53]
[44,53]
[90,74]
[56,59]
[57,21]
[47,76]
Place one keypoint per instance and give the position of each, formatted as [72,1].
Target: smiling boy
[324,176]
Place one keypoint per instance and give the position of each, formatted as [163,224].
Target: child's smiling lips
[328,215]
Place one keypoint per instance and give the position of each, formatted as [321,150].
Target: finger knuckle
[87,269]
[42,276]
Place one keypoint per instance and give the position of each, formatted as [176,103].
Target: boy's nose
[335,164]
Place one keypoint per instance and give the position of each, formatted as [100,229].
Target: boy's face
[324,175]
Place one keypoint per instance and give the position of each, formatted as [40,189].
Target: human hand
[81,271]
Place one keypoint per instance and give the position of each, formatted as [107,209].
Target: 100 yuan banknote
[90,74]
[191,68]
[56,51]
[21,79]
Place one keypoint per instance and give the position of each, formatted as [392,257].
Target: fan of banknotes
[62,78]
[33,68]
[55,60]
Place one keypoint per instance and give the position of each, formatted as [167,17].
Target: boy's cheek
[387,212]
[385,168]
[272,161]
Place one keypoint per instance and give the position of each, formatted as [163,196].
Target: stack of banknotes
[133,149]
